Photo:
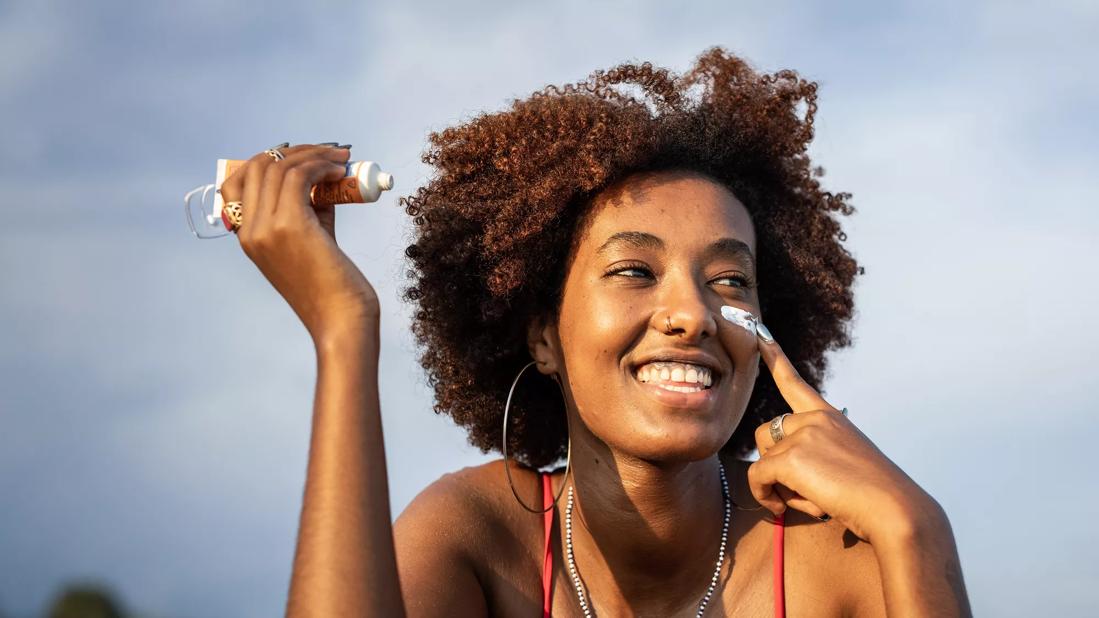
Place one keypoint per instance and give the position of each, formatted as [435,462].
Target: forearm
[920,570]
[345,563]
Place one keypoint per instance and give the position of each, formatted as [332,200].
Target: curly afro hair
[495,226]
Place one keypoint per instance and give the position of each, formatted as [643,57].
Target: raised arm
[344,564]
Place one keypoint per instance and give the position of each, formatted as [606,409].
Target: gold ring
[233,214]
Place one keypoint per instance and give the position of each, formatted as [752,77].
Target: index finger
[794,389]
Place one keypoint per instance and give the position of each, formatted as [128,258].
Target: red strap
[547,562]
[779,586]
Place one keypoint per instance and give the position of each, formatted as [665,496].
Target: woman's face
[660,248]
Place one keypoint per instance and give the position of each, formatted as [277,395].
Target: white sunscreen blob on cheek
[744,319]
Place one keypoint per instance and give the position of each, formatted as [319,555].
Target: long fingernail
[283,145]
[331,144]
[763,333]
[347,146]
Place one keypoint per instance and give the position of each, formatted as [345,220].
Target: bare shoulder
[478,496]
[454,538]
[825,564]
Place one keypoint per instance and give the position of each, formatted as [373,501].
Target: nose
[684,312]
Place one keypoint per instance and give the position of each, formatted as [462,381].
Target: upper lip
[694,357]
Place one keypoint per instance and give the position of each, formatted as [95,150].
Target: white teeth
[683,373]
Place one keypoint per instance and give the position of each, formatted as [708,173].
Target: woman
[594,237]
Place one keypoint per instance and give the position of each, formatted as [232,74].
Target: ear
[544,346]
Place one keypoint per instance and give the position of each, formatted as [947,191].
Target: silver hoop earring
[568,456]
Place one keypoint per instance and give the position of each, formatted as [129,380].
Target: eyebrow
[637,240]
[723,247]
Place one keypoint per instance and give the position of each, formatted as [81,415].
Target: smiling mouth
[676,377]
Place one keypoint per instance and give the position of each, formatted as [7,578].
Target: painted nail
[347,146]
[763,333]
[331,144]
[825,517]
[283,145]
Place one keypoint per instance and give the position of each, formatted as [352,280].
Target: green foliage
[85,601]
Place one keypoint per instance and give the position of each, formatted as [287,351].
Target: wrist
[919,565]
[353,329]
[911,522]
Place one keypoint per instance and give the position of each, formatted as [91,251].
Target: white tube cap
[385,181]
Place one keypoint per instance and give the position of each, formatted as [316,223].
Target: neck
[645,533]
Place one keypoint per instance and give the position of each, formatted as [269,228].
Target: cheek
[743,348]
[595,329]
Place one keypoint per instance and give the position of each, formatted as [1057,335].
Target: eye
[736,280]
[631,270]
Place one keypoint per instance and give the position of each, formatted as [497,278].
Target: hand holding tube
[293,242]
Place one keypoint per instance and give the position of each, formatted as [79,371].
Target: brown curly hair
[496,224]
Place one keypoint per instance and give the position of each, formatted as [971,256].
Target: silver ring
[275,154]
[777,434]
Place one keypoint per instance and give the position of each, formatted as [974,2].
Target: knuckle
[762,433]
[261,235]
[269,171]
[753,473]
[809,433]
[793,457]
[281,229]
[254,239]
[297,175]
[232,184]
[246,243]
[832,419]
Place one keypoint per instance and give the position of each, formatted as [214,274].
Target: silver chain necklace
[720,553]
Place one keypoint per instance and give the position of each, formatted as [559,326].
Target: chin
[668,427]
[674,445]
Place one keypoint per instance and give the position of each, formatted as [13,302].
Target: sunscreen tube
[744,319]
[363,182]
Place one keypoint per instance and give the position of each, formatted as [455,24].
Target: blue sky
[966,131]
